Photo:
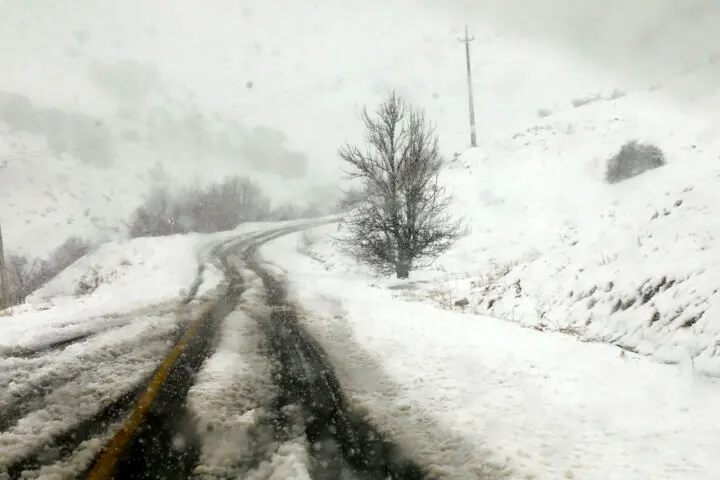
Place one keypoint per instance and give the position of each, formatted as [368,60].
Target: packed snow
[471,393]
[231,403]
[230,398]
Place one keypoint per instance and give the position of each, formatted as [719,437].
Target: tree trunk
[4,284]
[403,265]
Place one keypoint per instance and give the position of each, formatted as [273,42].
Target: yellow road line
[104,467]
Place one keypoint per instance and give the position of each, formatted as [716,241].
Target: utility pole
[4,286]
[471,102]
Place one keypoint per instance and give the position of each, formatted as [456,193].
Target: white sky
[314,64]
[642,37]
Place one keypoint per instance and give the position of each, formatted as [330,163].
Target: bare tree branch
[403,221]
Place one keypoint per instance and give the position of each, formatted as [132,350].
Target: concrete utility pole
[473,133]
[4,286]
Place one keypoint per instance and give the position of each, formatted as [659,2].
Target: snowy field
[470,393]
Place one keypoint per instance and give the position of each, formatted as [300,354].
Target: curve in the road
[158,439]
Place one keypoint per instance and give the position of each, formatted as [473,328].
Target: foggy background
[647,40]
[277,86]
[99,101]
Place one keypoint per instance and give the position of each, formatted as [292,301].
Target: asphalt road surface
[144,429]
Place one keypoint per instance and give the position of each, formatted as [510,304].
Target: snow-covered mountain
[102,102]
[98,103]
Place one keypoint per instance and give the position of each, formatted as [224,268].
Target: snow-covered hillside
[473,395]
[143,92]
[46,197]
[554,247]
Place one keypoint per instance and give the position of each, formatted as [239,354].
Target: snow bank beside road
[145,270]
[550,405]
[116,279]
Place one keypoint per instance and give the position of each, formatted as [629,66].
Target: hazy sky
[302,67]
[645,38]
[305,68]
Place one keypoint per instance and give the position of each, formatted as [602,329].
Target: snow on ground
[49,394]
[231,405]
[117,278]
[104,286]
[554,247]
[465,393]
[116,308]
[101,327]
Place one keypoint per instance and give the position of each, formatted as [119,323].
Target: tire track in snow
[165,444]
[80,396]
[89,328]
[338,438]
[66,443]
[32,394]
[48,348]
[159,441]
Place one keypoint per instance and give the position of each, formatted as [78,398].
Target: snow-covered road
[471,394]
[285,368]
[76,359]
[224,385]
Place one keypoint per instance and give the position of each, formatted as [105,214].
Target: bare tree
[404,222]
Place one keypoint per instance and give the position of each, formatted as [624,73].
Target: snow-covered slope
[467,394]
[632,263]
[108,283]
[554,247]
[175,93]
[46,197]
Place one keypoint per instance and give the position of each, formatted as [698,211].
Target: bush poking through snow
[544,112]
[633,159]
[582,101]
[25,275]
[89,282]
[68,253]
